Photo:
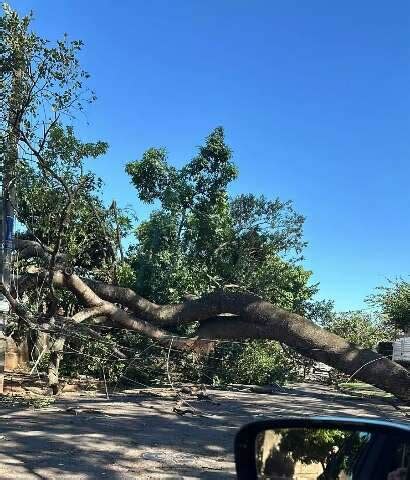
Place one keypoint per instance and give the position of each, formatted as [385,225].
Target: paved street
[138,435]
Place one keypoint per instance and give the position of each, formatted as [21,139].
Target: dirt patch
[138,433]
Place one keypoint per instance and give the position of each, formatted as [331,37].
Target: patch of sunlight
[363,389]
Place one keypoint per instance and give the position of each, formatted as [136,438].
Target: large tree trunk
[314,342]
[237,316]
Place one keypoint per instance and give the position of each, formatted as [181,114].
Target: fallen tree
[222,315]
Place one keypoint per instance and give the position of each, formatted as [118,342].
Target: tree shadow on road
[138,436]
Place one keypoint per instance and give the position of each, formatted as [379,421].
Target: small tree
[361,328]
[393,301]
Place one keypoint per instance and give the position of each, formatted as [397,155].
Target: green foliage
[43,87]
[200,241]
[196,185]
[268,222]
[88,236]
[65,153]
[152,175]
[311,446]
[253,362]
[393,301]
[51,82]
[58,199]
[359,327]
[176,246]
[59,203]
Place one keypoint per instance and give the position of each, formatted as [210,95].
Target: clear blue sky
[314,97]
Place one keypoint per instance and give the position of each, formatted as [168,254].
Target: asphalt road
[137,435]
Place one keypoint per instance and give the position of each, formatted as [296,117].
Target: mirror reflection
[331,454]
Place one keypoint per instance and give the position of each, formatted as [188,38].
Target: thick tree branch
[313,342]
[33,249]
[255,318]
[249,317]
[120,317]
[192,310]
[89,313]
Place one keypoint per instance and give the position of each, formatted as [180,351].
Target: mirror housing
[246,440]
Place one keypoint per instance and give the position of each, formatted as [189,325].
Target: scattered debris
[270,389]
[154,457]
[35,390]
[151,394]
[182,408]
[193,389]
[267,389]
[73,411]
[26,401]
[207,397]
[79,411]
[186,389]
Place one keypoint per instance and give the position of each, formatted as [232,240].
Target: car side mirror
[323,448]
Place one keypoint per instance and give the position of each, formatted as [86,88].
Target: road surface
[137,434]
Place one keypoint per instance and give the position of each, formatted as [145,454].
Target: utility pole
[8,172]
[3,301]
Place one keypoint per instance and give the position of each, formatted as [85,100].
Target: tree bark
[56,354]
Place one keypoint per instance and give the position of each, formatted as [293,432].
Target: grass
[8,401]
[363,390]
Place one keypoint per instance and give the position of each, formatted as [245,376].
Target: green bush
[253,362]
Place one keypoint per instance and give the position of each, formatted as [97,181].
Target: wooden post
[56,354]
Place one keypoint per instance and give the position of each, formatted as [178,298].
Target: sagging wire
[364,365]
[178,395]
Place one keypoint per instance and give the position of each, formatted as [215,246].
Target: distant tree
[393,301]
[335,450]
[359,327]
